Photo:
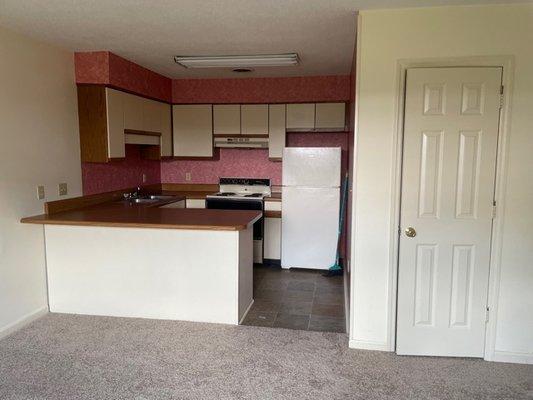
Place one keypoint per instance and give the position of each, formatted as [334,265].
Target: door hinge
[487,313]
[502,97]
[494,209]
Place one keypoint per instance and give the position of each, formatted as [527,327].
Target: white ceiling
[151,33]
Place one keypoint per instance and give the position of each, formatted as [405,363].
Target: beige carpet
[80,357]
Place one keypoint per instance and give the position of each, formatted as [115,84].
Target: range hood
[248,142]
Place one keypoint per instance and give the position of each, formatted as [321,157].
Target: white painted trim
[23,321]
[345,286]
[368,345]
[511,357]
[351,320]
[246,312]
[507,63]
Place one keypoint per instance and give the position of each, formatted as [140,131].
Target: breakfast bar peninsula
[120,258]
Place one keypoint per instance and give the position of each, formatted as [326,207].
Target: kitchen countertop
[123,214]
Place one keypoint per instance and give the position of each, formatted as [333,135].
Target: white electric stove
[243,194]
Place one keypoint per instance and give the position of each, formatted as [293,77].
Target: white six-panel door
[449,159]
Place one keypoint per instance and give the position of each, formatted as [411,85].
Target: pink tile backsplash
[115,175]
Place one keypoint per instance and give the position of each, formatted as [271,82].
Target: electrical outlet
[187,176]
[144,178]
[63,189]
[40,192]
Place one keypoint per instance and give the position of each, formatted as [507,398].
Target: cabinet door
[165,115]
[330,116]
[195,203]
[115,123]
[276,131]
[272,241]
[227,119]
[151,115]
[133,112]
[193,130]
[254,119]
[301,116]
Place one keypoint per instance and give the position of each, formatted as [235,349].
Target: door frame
[507,65]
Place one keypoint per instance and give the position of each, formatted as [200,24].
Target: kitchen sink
[157,197]
[142,200]
[146,199]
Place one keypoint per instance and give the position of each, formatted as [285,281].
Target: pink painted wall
[92,67]
[115,175]
[246,162]
[262,90]
[103,67]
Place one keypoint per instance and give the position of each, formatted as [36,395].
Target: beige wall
[386,37]
[40,145]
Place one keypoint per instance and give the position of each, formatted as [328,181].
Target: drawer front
[272,205]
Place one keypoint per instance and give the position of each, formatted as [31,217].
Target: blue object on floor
[336,268]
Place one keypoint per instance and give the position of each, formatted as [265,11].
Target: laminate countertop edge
[44,219]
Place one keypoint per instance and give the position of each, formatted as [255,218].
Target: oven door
[232,204]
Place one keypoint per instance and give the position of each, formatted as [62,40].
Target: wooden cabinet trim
[92,119]
[145,133]
[272,214]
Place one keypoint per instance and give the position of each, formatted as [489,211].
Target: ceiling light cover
[267,60]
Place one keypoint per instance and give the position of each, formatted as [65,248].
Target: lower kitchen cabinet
[272,239]
[195,203]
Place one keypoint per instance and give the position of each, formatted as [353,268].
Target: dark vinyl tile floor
[297,299]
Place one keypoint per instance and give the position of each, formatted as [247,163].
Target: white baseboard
[512,357]
[246,312]
[22,322]
[368,345]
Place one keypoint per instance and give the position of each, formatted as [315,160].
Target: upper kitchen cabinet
[101,123]
[254,119]
[109,119]
[330,116]
[301,116]
[317,117]
[193,130]
[276,131]
[227,119]
[133,112]
[157,119]
[166,129]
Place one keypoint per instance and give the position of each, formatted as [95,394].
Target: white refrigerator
[310,206]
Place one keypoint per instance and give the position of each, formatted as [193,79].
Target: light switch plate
[187,176]
[63,190]
[40,192]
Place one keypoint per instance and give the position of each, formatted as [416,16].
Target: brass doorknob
[410,232]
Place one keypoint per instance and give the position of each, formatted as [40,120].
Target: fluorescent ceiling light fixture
[267,60]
